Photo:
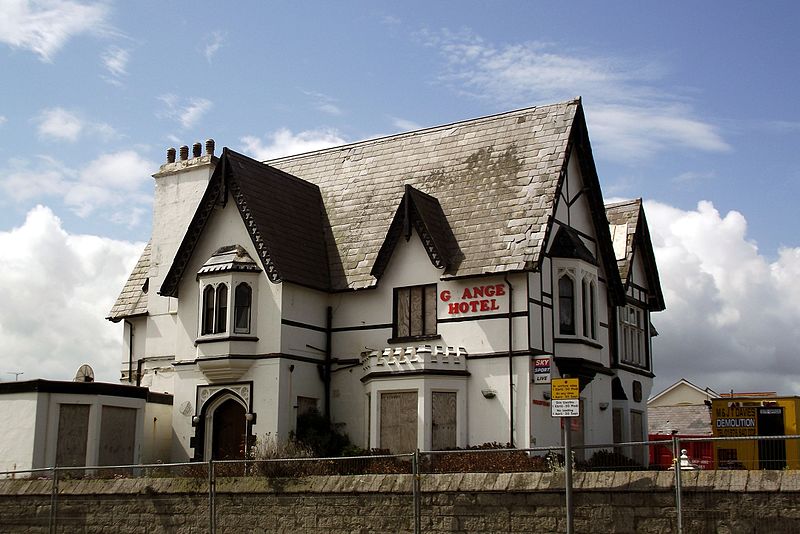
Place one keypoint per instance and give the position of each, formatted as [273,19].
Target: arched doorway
[229,430]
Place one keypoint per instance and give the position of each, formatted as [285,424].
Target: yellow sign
[565,389]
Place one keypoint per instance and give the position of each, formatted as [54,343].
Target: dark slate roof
[132,301]
[688,420]
[283,215]
[630,213]
[495,179]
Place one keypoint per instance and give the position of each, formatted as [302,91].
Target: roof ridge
[374,140]
[637,200]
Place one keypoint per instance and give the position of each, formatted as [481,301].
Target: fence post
[415,488]
[676,465]
[212,512]
[54,502]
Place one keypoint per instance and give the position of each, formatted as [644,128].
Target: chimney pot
[184,153]
[209,147]
[171,155]
[196,150]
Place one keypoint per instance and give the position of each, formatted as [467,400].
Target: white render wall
[18,421]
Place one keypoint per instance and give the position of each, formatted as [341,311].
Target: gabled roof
[424,213]
[481,193]
[495,179]
[629,219]
[132,301]
[283,216]
[683,383]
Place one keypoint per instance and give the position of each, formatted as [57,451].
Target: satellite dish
[84,374]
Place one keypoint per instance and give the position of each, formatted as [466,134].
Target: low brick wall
[623,502]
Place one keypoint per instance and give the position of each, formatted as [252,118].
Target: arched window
[242,298]
[208,311]
[221,309]
[566,305]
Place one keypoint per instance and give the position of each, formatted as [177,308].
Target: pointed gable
[282,214]
[631,237]
[423,213]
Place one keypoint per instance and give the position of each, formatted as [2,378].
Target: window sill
[224,337]
[413,339]
[579,341]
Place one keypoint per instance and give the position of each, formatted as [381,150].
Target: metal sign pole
[567,423]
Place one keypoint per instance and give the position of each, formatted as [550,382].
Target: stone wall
[622,502]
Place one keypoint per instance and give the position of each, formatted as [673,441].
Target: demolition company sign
[735,421]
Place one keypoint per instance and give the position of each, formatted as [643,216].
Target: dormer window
[226,281]
[577,300]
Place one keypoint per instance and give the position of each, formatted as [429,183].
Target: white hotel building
[414,288]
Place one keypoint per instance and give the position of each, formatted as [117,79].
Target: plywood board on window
[398,428]
[443,420]
[73,431]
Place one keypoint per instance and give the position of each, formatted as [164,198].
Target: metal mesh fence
[198,497]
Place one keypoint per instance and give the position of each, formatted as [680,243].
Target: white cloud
[626,112]
[108,184]
[115,60]
[732,314]
[404,125]
[186,111]
[61,124]
[283,143]
[45,26]
[3,120]
[58,123]
[56,290]
[324,103]
[215,41]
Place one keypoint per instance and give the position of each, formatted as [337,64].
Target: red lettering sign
[472,299]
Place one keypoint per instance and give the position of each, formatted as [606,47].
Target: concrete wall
[622,502]
[18,421]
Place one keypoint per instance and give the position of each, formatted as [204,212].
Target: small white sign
[565,408]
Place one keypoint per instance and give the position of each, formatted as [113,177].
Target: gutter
[130,351]
[328,353]
[510,362]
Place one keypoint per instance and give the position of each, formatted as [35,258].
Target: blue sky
[689,105]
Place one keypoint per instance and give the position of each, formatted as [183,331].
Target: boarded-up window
[73,430]
[637,434]
[617,425]
[443,420]
[306,405]
[117,436]
[415,311]
[399,421]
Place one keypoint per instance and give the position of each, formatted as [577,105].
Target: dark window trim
[213,338]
